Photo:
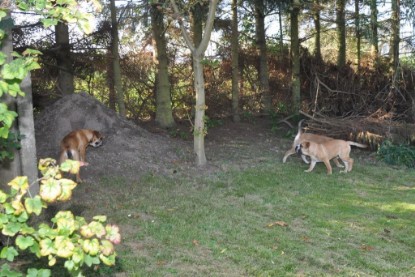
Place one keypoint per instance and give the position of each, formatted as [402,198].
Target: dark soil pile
[128,149]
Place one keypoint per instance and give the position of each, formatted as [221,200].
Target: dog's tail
[300,128]
[357,144]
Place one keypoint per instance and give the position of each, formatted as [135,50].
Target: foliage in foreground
[70,238]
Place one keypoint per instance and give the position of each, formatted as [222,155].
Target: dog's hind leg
[337,163]
[312,165]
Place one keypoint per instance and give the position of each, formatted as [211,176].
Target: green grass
[355,224]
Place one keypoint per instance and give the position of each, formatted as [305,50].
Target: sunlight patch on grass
[398,207]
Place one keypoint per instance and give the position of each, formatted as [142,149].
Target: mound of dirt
[128,149]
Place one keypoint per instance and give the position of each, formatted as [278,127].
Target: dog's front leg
[328,166]
[304,157]
[312,165]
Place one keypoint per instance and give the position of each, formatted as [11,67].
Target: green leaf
[3,196]
[19,183]
[108,260]
[3,57]
[100,218]
[67,186]
[6,271]
[91,246]
[34,272]
[2,14]
[89,260]
[47,247]
[50,190]
[34,205]
[14,70]
[11,229]
[8,253]
[24,242]
[47,22]
[64,247]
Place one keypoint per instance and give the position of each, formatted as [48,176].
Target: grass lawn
[269,220]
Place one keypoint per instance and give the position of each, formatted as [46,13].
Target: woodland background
[334,58]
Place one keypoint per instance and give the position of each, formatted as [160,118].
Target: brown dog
[74,144]
[300,137]
[324,152]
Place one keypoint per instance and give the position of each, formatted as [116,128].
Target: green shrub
[397,154]
[69,238]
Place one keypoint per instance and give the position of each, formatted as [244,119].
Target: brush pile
[366,130]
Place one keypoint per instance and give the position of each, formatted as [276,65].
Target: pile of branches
[367,130]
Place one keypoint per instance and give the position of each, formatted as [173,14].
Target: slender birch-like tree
[199,82]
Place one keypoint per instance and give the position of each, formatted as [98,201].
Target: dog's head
[302,148]
[96,139]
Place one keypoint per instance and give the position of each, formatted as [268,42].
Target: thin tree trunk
[317,25]
[65,84]
[197,54]
[164,115]
[25,160]
[263,58]
[116,61]
[112,98]
[358,36]
[280,25]
[235,63]
[341,32]
[374,47]
[295,58]
[395,37]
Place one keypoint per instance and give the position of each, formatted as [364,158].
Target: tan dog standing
[324,152]
[73,146]
[301,137]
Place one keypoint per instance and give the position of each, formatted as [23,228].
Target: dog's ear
[306,144]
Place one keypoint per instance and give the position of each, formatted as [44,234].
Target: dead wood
[367,130]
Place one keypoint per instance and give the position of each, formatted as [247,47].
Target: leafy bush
[69,238]
[397,154]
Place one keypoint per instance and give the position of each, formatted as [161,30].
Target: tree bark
[358,35]
[25,160]
[164,114]
[235,63]
[317,25]
[263,58]
[116,61]
[341,32]
[65,84]
[295,59]
[374,47]
[395,37]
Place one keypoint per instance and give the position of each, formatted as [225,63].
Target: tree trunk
[317,25]
[280,25]
[395,37]
[164,115]
[358,36]
[263,58]
[374,48]
[197,14]
[65,84]
[112,98]
[199,83]
[295,59]
[235,62]
[116,60]
[25,160]
[341,32]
